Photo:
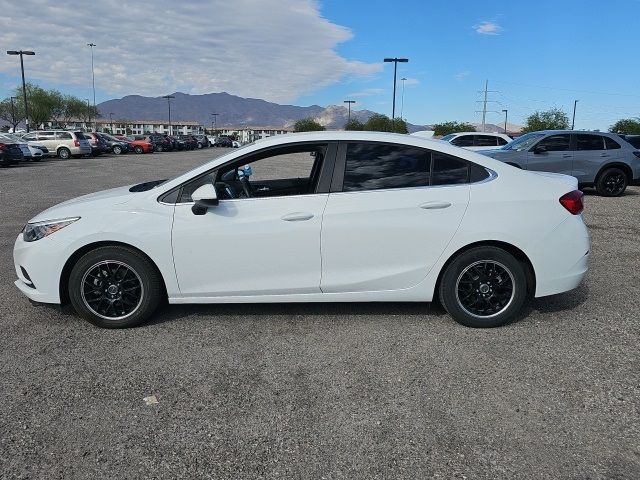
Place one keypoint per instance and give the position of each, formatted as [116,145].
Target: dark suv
[98,145]
[596,159]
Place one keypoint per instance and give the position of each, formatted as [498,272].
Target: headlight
[36,231]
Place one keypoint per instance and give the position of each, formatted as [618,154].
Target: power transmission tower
[484,102]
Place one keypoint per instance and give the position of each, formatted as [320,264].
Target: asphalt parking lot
[321,390]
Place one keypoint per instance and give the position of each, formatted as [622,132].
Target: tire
[104,296]
[159,148]
[117,149]
[138,149]
[64,153]
[199,145]
[483,287]
[612,182]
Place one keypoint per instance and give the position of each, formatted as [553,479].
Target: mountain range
[235,111]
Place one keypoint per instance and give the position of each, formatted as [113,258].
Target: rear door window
[501,141]
[448,170]
[589,142]
[64,136]
[610,143]
[485,141]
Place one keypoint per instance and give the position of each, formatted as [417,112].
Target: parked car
[477,140]
[29,153]
[235,144]
[161,142]
[340,216]
[632,139]
[97,142]
[62,143]
[10,153]
[596,159]
[203,141]
[225,142]
[191,143]
[114,145]
[144,145]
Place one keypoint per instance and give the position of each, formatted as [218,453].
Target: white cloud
[487,28]
[462,75]
[411,81]
[271,49]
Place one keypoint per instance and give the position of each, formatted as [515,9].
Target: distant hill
[233,111]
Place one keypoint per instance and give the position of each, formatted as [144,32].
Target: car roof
[588,132]
[491,134]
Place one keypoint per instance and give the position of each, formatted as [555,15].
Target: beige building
[136,127]
[247,134]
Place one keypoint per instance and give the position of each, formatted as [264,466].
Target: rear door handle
[604,154]
[566,155]
[435,205]
[297,217]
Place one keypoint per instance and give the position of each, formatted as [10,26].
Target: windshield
[523,142]
[446,138]
[11,138]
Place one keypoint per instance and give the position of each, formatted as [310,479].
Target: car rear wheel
[117,149]
[612,182]
[64,153]
[138,149]
[483,287]
[114,287]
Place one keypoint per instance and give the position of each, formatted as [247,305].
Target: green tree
[628,126]
[378,123]
[554,119]
[307,125]
[399,125]
[445,128]
[354,124]
[12,113]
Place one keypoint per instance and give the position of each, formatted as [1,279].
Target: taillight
[3,146]
[572,201]
[636,153]
[76,143]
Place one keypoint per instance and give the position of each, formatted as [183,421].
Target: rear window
[64,136]
[635,141]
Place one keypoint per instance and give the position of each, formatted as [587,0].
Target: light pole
[349,102]
[215,123]
[573,122]
[505,120]
[13,113]
[24,87]
[88,112]
[169,97]
[93,77]
[111,120]
[395,61]
[403,79]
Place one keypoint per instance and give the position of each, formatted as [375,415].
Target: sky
[535,56]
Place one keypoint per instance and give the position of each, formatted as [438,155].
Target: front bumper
[43,264]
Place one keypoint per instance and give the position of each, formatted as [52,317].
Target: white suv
[62,143]
[477,140]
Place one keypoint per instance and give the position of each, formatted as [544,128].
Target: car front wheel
[483,287]
[117,149]
[114,287]
[64,153]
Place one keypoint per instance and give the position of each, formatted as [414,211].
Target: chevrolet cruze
[328,217]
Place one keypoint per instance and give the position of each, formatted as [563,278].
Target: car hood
[92,203]
[495,153]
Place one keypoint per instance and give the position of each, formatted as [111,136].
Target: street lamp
[395,61]
[214,124]
[111,120]
[505,120]
[89,112]
[403,79]
[93,77]
[13,113]
[349,102]
[169,97]
[24,88]
[573,122]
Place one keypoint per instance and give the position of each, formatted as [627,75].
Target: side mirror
[539,149]
[204,197]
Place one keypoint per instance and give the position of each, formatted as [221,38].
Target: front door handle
[435,205]
[566,155]
[604,154]
[297,217]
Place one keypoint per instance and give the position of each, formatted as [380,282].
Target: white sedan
[477,140]
[327,217]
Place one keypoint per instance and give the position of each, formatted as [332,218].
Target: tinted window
[556,143]
[501,141]
[449,170]
[485,141]
[589,142]
[463,141]
[634,140]
[30,137]
[375,166]
[64,136]
[610,143]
